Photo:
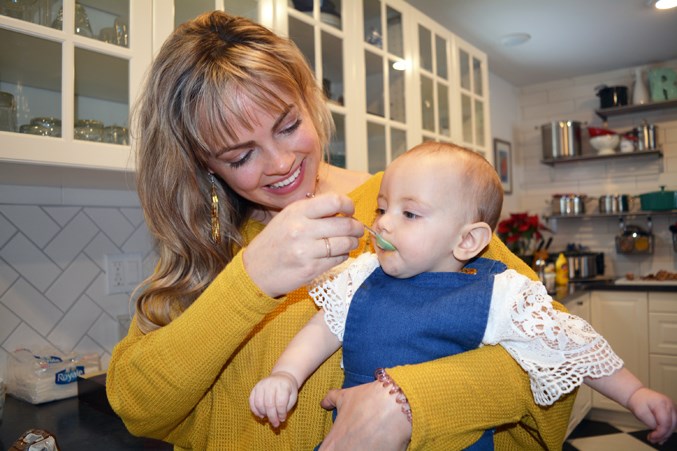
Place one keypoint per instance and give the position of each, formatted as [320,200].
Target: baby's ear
[474,238]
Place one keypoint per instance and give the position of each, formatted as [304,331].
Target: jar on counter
[7,112]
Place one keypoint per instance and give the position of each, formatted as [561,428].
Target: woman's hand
[301,242]
[368,417]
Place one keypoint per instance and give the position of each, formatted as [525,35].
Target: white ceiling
[569,38]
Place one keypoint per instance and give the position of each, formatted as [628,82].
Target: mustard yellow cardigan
[188,383]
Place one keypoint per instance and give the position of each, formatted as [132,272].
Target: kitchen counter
[572,290]
[76,425]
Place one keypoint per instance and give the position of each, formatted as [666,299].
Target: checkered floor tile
[598,436]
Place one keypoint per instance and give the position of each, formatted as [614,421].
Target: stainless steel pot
[615,203]
[568,204]
[585,265]
[561,139]
[646,137]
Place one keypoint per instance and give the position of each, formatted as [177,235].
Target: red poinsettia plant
[520,231]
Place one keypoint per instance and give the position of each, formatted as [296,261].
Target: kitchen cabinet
[663,343]
[622,318]
[78,61]
[580,306]
[393,76]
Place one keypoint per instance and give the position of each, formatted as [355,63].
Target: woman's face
[276,162]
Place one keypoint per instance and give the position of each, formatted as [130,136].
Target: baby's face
[421,212]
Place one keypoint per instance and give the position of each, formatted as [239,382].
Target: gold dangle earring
[216,226]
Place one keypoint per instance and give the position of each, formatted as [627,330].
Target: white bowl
[605,144]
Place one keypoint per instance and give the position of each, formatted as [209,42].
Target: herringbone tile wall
[52,267]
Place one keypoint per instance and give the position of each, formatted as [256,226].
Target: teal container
[659,200]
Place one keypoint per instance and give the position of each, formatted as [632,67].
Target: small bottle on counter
[561,270]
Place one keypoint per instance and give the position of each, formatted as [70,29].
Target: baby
[433,296]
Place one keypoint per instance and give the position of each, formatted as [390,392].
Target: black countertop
[77,425]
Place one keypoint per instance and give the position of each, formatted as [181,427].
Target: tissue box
[48,375]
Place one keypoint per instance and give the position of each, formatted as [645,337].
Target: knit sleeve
[557,349]
[155,380]
[333,291]
[456,398]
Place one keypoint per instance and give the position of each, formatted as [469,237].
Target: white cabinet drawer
[663,333]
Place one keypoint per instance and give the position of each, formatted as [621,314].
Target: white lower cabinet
[580,306]
[622,318]
[663,343]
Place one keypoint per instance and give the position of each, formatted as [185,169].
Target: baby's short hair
[481,185]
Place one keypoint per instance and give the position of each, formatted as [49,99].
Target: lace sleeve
[333,291]
[557,349]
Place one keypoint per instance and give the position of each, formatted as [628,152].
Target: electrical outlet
[123,272]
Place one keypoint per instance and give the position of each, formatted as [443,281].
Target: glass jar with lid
[52,124]
[89,130]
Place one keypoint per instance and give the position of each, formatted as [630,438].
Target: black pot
[612,96]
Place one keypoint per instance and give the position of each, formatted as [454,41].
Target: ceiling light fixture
[514,39]
[665,4]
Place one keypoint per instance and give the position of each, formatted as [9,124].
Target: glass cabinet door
[70,70]
[433,51]
[472,72]
[385,83]
[185,10]
[316,27]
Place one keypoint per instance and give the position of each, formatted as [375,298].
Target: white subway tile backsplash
[52,274]
[29,260]
[73,282]
[71,240]
[8,322]
[104,331]
[25,336]
[6,230]
[62,215]
[75,323]
[31,306]
[7,276]
[111,222]
[32,221]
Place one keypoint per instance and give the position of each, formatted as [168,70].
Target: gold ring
[327,246]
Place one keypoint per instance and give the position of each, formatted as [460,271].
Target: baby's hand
[656,411]
[274,396]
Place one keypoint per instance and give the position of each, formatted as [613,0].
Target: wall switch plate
[123,272]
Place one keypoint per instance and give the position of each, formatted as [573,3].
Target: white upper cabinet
[392,76]
[72,69]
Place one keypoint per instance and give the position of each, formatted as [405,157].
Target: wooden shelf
[604,113]
[653,153]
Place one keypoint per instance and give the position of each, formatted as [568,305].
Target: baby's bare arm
[275,395]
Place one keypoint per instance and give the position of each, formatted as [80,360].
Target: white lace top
[557,349]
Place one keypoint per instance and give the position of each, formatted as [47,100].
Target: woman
[231,131]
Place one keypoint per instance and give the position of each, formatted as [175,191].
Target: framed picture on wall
[503,163]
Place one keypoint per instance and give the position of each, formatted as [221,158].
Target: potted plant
[521,233]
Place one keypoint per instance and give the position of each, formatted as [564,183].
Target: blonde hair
[482,189]
[194,90]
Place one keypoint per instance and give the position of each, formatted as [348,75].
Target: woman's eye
[289,130]
[410,215]
[380,211]
[241,160]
